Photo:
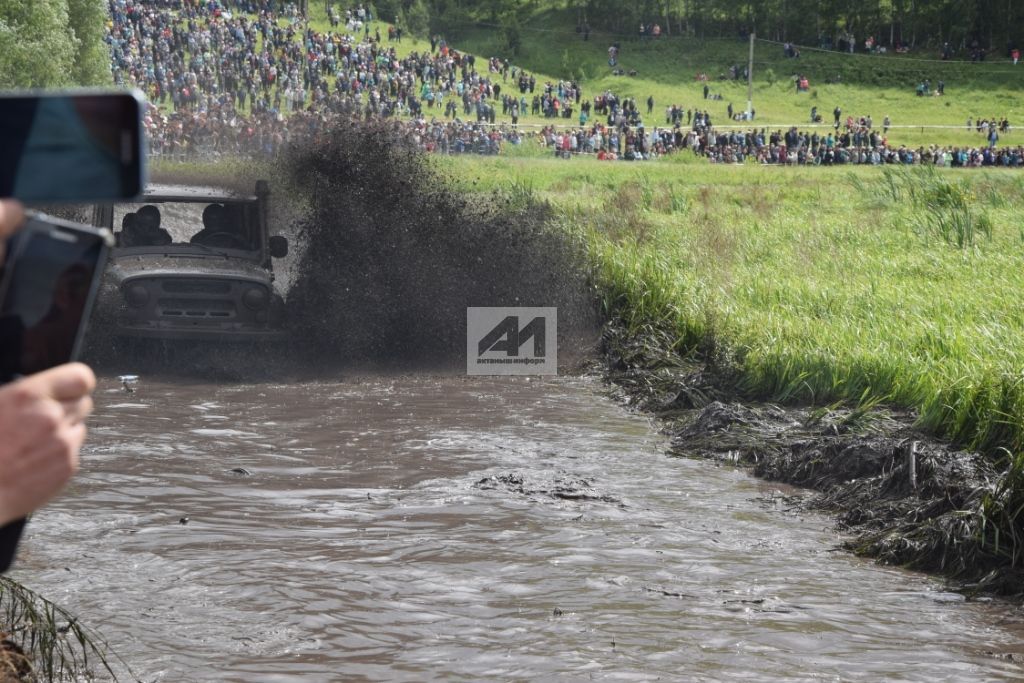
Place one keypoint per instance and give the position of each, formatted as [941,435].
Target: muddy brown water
[466,529]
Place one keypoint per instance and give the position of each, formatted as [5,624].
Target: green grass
[813,285]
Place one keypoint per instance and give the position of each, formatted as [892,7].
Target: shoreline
[902,496]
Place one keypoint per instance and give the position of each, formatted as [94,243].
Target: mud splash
[907,498]
[393,254]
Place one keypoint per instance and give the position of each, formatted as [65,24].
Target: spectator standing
[886,122]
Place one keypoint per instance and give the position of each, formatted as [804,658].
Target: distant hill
[546,42]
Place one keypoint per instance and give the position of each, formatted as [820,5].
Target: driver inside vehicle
[221,228]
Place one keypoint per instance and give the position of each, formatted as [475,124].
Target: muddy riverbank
[904,497]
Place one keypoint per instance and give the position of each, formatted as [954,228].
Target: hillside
[860,84]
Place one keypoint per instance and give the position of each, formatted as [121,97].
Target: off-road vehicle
[191,263]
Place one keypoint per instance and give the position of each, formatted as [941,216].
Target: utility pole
[750,79]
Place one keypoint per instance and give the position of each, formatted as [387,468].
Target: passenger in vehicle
[128,237]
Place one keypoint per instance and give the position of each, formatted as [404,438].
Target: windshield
[218,225]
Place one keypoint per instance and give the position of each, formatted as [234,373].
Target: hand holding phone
[12,215]
[47,289]
[82,146]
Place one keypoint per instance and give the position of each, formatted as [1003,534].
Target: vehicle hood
[121,268]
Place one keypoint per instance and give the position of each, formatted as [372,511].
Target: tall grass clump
[944,209]
[45,642]
[799,293]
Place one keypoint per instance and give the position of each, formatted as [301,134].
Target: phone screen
[71,146]
[47,292]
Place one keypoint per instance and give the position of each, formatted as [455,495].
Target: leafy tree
[92,61]
[37,45]
[53,43]
[417,18]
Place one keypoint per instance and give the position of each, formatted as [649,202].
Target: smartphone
[72,146]
[47,290]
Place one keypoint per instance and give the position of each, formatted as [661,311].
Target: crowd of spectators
[857,142]
[222,132]
[856,146]
[244,77]
[247,76]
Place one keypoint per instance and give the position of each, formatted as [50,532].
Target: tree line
[52,43]
[966,25]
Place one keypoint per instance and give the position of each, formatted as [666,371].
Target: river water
[418,528]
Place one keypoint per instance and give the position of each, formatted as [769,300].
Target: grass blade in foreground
[44,642]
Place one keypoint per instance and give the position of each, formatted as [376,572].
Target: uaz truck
[193,264]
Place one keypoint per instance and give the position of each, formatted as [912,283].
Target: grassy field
[813,285]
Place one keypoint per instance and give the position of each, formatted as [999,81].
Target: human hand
[11,217]
[42,427]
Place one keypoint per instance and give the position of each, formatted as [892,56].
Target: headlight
[256,298]
[137,295]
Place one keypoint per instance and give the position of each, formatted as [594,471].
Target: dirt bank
[904,497]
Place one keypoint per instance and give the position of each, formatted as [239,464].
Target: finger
[54,468]
[75,411]
[11,216]
[56,456]
[62,383]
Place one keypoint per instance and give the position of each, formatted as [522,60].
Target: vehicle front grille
[196,308]
[195,286]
